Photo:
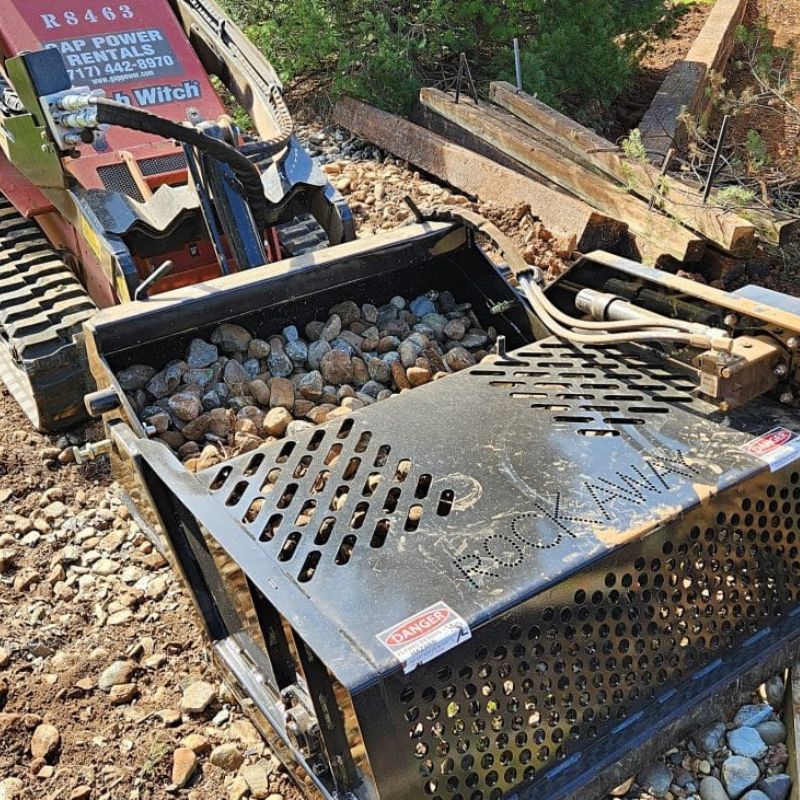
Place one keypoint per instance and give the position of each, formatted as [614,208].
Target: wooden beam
[684,88]
[480,177]
[503,131]
[729,231]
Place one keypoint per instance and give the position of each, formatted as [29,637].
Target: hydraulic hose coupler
[73,102]
[85,118]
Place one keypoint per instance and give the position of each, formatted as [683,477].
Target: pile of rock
[237,391]
[744,759]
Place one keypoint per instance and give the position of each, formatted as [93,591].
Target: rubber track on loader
[302,235]
[42,308]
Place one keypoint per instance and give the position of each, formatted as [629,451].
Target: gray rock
[211,400]
[231,338]
[738,775]
[447,302]
[135,377]
[390,357]
[252,367]
[316,350]
[297,350]
[313,330]
[348,312]
[656,778]
[420,306]
[236,377]
[185,406]
[118,673]
[167,381]
[775,691]
[712,789]
[332,328]
[409,353]
[298,426]
[379,370]
[752,715]
[754,794]
[776,787]
[199,377]
[746,742]
[290,333]
[455,329]
[436,322]
[280,365]
[373,388]
[201,354]
[458,358]
[369,313]
[339,343]
[474,339]
[386,314]
[398,302]
[772,731]
[310,385]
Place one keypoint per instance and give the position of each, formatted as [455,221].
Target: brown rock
[81,793]
[418,376]
[209,457]
[276,421]
[45,741]
[196,743]
[336,368]
[245,442]
[360,371]
[399,376]
[184,762]
[254,415]
[197,428]
[227,757]
[123,693]
[281,393]
[197,697]
[260,392]
[458,358]
[319,413]
[173,439]
[222,421]
[302,407]
[185,406]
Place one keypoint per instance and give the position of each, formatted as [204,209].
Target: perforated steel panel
[581,661]
[615,551]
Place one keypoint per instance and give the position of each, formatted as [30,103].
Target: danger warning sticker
[424,636]
[777,448]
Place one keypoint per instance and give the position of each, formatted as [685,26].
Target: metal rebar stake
[715,159]
[517,65]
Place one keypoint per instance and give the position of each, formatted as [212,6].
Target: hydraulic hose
[111,112]
[588,331]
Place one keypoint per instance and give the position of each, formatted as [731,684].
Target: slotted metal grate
[336,491]
[598,392]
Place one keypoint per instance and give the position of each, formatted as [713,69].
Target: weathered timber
[480,177]
[684,88]
[726,229]
[505,132]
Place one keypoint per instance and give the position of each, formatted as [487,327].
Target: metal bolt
[793,343]
[786,398]
[781,370]
[730,320]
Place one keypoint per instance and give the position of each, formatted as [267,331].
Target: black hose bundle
[110,112]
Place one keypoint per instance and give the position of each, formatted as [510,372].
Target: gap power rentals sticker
[424,636]
[777,448]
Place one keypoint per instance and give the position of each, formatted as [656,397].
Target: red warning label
[421,637]
[777,447]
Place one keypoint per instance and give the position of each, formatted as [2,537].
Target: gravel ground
[105,690]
